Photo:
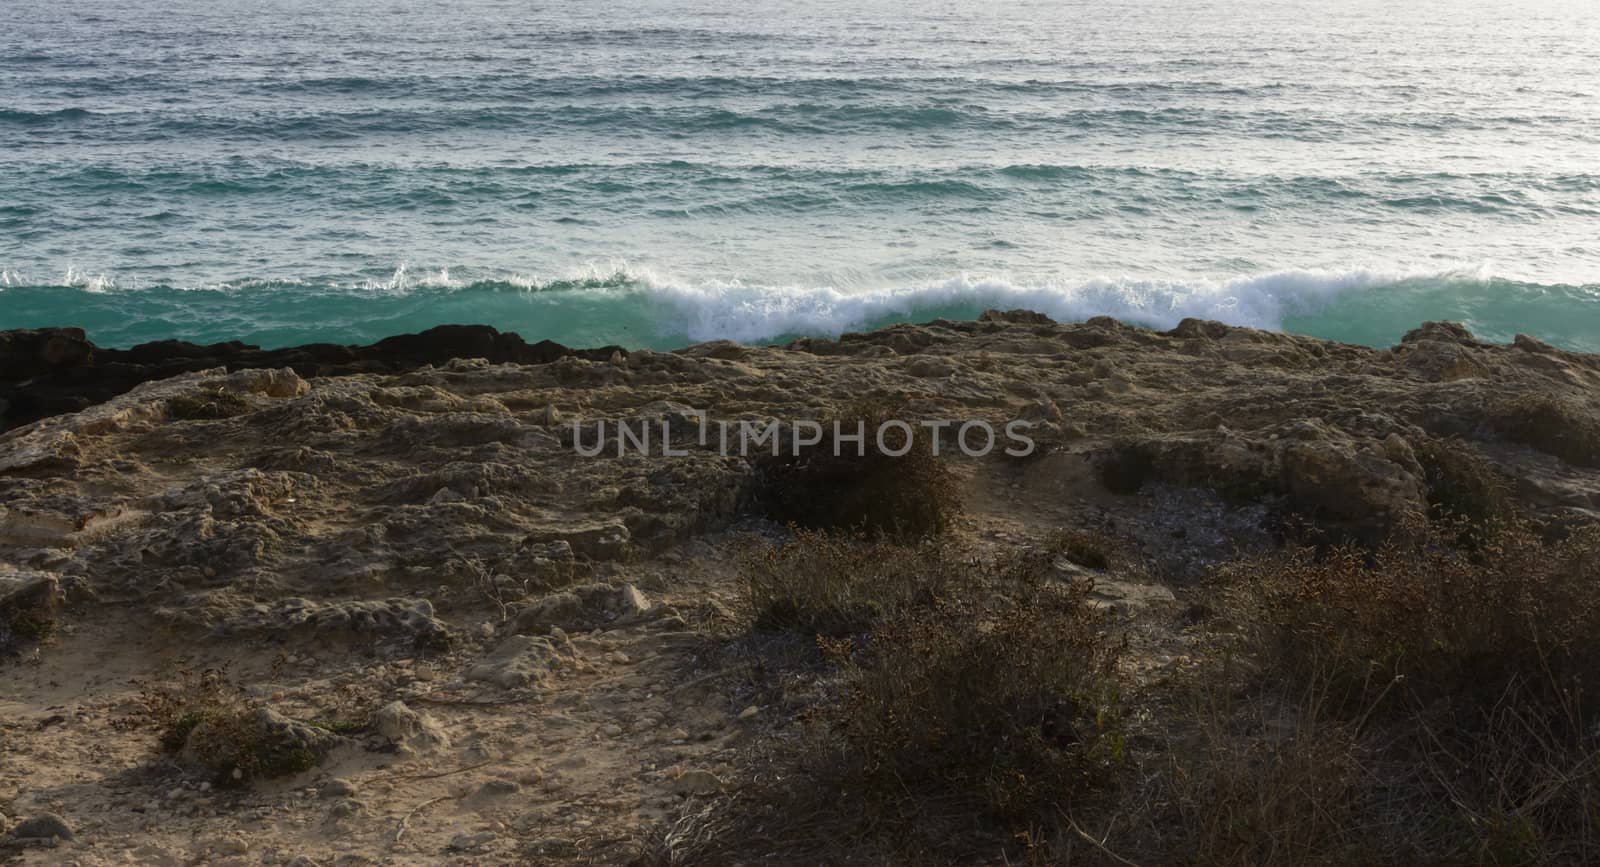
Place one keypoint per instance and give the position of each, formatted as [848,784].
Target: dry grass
[835,585]
[1452,624]
[858,488]
[1419,704]
[1008,707]
[1416,705]
[968,699]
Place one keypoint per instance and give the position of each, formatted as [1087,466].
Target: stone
[465,842]
[556,611]
[404,727]
[233,844]
[43,828]
[1128,597]
[630,604]
[499,788]
[519,661]
[346,808]
[336,789]
[749,713]
[697,782]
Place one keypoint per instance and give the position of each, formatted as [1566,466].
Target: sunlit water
[657,172]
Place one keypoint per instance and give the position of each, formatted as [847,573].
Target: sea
[656,173]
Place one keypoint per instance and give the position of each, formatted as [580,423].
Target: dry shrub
[1557,427]
[971,701]
[1008,706]
[835,584]
[843,486]
[1460,678]
[1452,624]
[1246,783]
[209,720]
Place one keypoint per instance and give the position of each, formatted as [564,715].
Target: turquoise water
[657,172]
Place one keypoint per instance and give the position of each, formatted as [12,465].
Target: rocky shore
[467,643]
[49,371]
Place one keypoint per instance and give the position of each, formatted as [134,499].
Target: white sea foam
[754,313]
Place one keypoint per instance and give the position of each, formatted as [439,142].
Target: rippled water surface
[654,173]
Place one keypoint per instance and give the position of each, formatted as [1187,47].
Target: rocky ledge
[472,642]
[49,371]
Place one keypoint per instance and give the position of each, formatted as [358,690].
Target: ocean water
[658,172]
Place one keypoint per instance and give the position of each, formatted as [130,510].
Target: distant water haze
[657,172]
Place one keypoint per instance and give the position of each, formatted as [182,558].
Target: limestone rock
[519,661]
[404,727]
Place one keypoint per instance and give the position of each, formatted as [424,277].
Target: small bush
[1007,707]
[208,720]
[1461,673]
[1553,426]
[1225,793]
[969,700]
[835,584]
[1127,468]
[843,486]
[1451,624]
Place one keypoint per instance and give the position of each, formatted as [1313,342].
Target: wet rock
[1020,317]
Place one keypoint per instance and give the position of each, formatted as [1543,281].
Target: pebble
[336,789]
[749,713]
[230,845]
[612,730]
[465,842]
[499,788]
